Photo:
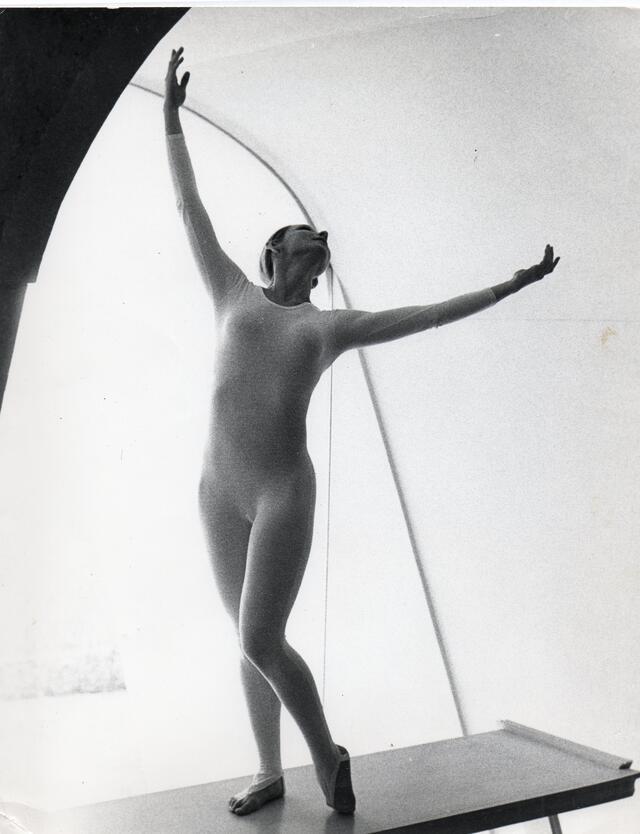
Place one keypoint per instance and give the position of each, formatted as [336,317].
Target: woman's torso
[269,359]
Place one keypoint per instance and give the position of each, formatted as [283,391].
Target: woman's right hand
[175,92]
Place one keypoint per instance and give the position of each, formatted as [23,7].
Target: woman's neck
[289,287]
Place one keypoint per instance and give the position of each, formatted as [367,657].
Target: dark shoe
[340,791]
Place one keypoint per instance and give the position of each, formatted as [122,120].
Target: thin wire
[328,532]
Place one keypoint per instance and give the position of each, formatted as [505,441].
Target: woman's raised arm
[356,329]
[220,273]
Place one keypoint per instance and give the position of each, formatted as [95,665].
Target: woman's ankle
[327,768]
[263,778]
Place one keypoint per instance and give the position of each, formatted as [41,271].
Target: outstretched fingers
[176,90]
[549,263]
[176,59]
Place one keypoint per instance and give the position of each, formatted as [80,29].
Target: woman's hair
[266,258]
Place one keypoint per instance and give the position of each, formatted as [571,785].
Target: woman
[257,492]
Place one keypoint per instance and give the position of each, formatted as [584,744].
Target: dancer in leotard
[257,492]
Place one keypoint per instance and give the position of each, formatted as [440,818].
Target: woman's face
[302,242]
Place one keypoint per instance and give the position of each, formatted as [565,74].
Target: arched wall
[55,98]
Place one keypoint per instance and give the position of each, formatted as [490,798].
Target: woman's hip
[249,484]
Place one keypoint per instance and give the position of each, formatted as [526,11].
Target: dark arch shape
[62,72]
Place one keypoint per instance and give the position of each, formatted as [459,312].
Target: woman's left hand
[524,277]
[548,263]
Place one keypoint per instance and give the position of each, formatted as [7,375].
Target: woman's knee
[259,647]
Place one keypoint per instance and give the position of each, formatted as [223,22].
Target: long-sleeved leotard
[257,493]
[270,357]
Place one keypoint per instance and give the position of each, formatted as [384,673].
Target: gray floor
[447,786]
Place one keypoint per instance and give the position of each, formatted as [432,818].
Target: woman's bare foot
[339,792]
[256,795]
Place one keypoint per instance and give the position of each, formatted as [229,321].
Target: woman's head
[293,244]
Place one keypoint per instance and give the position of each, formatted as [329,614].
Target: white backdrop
[442,152]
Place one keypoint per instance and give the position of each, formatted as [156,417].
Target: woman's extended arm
[356,329]
[218,270]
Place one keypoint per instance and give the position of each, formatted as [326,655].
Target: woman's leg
[227,533]
[278,551]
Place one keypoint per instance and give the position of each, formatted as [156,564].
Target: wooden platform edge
[580,750]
